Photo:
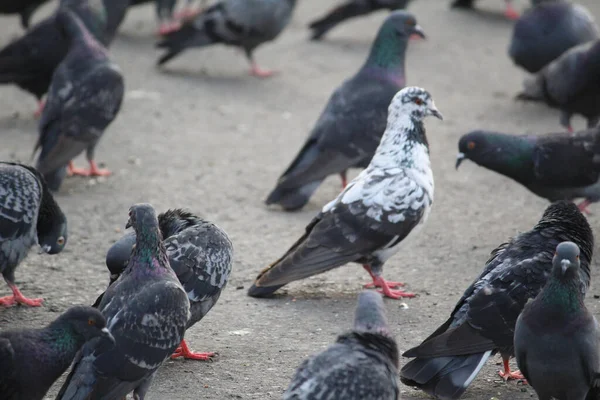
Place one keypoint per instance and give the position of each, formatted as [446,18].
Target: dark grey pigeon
[25,8]
[84,98]
[362,364]
[556,166]
[557,343]
[375,212]
[349,129]
[242,23]
[146,310]
[32,359]
[483,321]
[570,83]
[509,13]
[201,256]
[351,9]
[546,31]
[28,215]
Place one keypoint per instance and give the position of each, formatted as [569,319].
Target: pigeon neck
[63,339]
[510,156]
[387,56]
[149,249]
[403,143]
[50,216]
[564,297]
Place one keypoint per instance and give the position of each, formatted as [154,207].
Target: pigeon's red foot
[583,206]
[390,284]
[511,13]
[344,180]
[168,27]
[255,70]
[93,171]
[387,292]
[415,37]
[18,298]
[40,109]
[507,374]
[186,13]
[184,351]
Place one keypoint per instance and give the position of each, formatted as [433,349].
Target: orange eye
[418,101]
[471,145]
[577,257]
[91,322]
[411,22]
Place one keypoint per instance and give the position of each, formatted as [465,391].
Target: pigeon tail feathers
[292,198]
[176,42]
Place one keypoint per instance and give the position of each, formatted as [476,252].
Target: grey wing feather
[20,197]
[564,78]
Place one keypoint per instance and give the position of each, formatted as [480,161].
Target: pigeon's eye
[91,322]
[411,22]
[60,241]
[471,145]
[418,101]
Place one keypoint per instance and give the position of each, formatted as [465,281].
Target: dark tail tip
[261,292]
[290,200]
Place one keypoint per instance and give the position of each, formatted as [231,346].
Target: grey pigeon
[28,215]
[555,166]
[362,364]
[557,343]
[375,212]
[570,83]
[546,31]
[201,256]
[483,321]
[242,23]
[509,13]
[32,359]
[146,310]
[84,98]
[351,9]
[25,8]
[349,129]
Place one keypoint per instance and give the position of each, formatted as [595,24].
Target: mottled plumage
[25,8]
[32,359]
[242,23]
[362,364]
[546,31]
[557,343]
[484,318]
[556,166]
[146,311]
[28,215]
[84,98]
[349,129]
[200,254]
[375,212]
[351,9]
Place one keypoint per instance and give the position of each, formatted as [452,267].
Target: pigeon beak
[45,249]
[106,334]
[435,112]
[564,266]
[459,159]
[128,225]
[418,31]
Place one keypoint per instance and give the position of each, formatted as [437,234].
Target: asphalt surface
[204,135]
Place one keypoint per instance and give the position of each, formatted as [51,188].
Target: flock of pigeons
[169,271]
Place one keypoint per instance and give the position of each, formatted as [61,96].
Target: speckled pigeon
[242,23]
[570,83]
[362,364]
[32,359]
[25,8]
[546,31]
[349,129]
[483,320]
[146,310]
[557,343]
[28,215]
[201,255]
[84,98]
[351,9]
[375,212]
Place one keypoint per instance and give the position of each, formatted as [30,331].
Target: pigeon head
[85,322]
[565,264]
[403,24]
[370,314]
[52,223]
[142,216]
[414,102]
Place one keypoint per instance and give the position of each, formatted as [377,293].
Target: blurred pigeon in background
[483,321]
[557,343]
[84,98]
[25,8]
[146,310]
[375,212]
[509,13]
[362,364]
[555,167]
[28,215]
[242,23]
[349,129]
[31,360]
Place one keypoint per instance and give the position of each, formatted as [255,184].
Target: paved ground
[206,136]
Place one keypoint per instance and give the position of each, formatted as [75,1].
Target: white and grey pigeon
[242,23]
[375,212]
[201,256]
[362,364]
[83,100]
[146,311]
[28,215]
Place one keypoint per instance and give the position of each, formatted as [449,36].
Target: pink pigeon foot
[18,298]
[511,13]
[93,171]
[40,109]
[415,37]
[344,179]
[186,13]
[385,286]
[168,27]
[583,206]
[184,351]
[507,374]
[255,70]
[390,284]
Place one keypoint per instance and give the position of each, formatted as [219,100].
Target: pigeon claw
[168,27]
[583,207]
[511,13]
[18,298]
[255,70]
[93,171]
[184,351]
[390,284]
[507,375]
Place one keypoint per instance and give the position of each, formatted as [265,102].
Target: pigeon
[32,359]
[557,343]
[362,364]
[375,212]
[351,9]
[509,12]
[243,23]
[84,98]
[28,215]
[546,31]
[200,254]
[484,318]
[570,83]
[349,129]
[25,8]
[556,166]
[146,311]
